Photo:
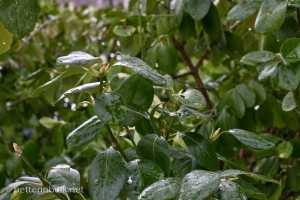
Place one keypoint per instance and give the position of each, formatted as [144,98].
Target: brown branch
[182,75]
[200,61]
[194,71]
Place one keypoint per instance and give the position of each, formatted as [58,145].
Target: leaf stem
[44,181]
[116,143]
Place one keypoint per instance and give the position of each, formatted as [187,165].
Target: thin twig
[202,58]
[182,75]
[116,143]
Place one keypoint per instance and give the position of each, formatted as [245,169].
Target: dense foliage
[159,99]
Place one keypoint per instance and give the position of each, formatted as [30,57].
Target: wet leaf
[164,190]
[284,149]
[230,190]
[268,69]
[289,102]
[107,175]
[247,95]
[199,184]
[257,57]
[271,16]
[155,148]
[19,17]
[85,133]
[251,140]
[192,98]
[243,10]
[5,39]
[290,50]
[77,58]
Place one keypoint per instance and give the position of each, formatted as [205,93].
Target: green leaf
[85,133]
[199,184]
[268,69]
[166,58]
[182,163]
[257,57]
[251,140]
[284,149]
[5,39]
[77,58]
[107,175]
[192,98]
[63,177]
[288,78]
[250,191]
[294,3]
[271,16]
[260,92]
[197,9]
[202,150]
[243,10]
[289,102]
[247,94]
[211,22]
[141,174]
[237,104]
[163,190]
[81,88]
[19,17]
[141,68]
[50,122]
[230,190]
[156,149]
[109,108]
[69,72]
[124,30]
[179,10]
[233,173]
[290,50]
[225,120]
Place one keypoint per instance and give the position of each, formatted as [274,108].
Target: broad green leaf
[62,177]
[233,173]
[186,112]
[107,175]
[284,149]
[69,72]
[197,9]
[226,121]
[257,57]
[109,108]
[85,133]
[136,92]
[50,122]
[260,92]
[230,190]
[250,191]
[290,50]
[236,103]
[182,163]
[155,148]
[289,102]
[192,98]
[166,58]
[179,10]
[5,39]
[271,16]
[211,22]
[288,77]
[163,190]
[19,17]
[141,68]
[247,94]
[151,58]
[199,184]
[124,30]
[141,174]
[202,150]
[251,140]
[81,88]
[268,69]
[77,58]
[295,3]
[243,10]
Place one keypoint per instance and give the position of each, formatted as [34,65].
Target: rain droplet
[129,180]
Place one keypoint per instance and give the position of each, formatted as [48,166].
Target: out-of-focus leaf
[247,94]
[124,31]
[211,22]
[5,39]
[259,90]
[84,133]
[236,103]
[284,149]
[257,57]
[197,9]
[288,102]
[271,15]
[50,122]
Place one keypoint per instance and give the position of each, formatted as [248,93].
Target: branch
[199,63]
[182,75]
[194,70]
